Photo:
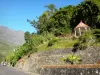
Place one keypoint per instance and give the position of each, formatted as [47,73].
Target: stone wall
[70,70]
[53,57]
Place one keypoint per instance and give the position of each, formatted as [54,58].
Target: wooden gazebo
[81,28]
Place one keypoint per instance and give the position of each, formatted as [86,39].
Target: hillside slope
[5,48]
[9,40]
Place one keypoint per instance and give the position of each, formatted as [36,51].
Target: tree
[51,9]
[88,12]
[64,20]
[43,20]
[59,22]
[27,36]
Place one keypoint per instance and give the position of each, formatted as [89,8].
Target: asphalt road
[4,70]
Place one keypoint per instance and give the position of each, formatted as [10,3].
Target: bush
[48,36]
[19,53]
[83,46]
[40,39]
[96,32]
[86,40]
[51,42]
[73,59]
[14,60]
[86,37]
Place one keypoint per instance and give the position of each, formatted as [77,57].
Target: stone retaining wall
[33,63]
[88,69]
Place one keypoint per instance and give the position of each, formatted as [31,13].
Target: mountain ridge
[9,40]
[12,36]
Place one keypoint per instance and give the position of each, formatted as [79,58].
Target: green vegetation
[73,59]
[37,43]
[86,40]
[53,26]
[5,48]
[52,42]
[32,42]
[96,32]
[59,44]
[90,38]
[63,20]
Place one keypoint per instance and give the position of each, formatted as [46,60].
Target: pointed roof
[81,24]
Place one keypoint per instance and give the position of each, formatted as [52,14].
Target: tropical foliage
[63,20]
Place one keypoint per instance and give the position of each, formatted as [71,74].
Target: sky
[14,13]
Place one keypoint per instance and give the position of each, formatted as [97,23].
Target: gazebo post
[75,33]
[79,31]
[86,29]
[89,28]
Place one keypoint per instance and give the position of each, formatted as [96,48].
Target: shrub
[14,60]
[73,59]
[96,32]
[19,53]
[83,46]
[51,42]
[48,36]
[40,39]
[86,37]
[37,39]
[86,40]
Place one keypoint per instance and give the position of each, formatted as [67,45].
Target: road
[10,71]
